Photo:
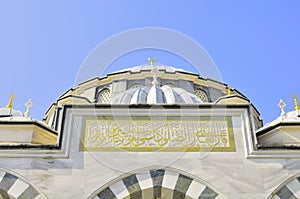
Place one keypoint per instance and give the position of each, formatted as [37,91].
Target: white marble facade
[69,169]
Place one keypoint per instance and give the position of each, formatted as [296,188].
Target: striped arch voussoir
[288,189]
[157,184]
[14,187]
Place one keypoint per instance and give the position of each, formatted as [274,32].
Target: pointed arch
[13,186]
[157,183]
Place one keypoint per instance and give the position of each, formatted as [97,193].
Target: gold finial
[228,91]
[295,98]
[151,61]
[12,96]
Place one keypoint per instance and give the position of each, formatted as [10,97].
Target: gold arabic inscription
[146,134]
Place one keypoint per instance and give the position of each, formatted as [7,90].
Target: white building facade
[150,132]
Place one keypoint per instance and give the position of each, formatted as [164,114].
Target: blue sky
[255,44]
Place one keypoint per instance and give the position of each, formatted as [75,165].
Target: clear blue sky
[255,44]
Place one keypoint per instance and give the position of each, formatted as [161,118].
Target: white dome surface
[7,114]
[156,95]
[138,69]
[289,117]
[10,112]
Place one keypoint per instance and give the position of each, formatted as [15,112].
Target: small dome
[7,114]
[291,117]
[4,112]
[156,95]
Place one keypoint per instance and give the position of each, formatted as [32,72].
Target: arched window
[170,84]
[135,85]
[104,96]
[201,94]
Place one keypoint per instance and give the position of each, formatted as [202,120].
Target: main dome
[148,85]
[141,68]
[156,95]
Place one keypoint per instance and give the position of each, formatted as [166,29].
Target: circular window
[104,96]
[201,94]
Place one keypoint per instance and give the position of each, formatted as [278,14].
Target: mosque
[150,131]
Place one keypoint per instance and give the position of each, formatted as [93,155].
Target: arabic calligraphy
[145,134]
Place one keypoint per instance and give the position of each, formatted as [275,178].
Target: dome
[5,112]
[291,117]
[153,94]
[139,69]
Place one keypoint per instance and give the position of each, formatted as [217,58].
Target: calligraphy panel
[145,134]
